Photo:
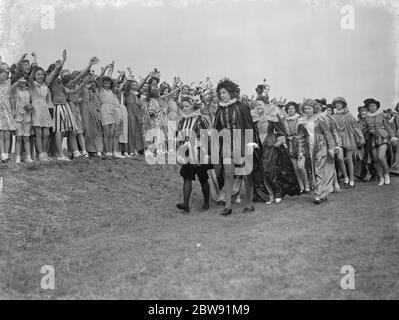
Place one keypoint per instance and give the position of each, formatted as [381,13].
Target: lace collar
[228,104]
[192,114]
[374,114]
[294,117]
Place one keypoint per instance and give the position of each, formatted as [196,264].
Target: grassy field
[111,230]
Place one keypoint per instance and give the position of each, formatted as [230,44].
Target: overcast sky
[300,49]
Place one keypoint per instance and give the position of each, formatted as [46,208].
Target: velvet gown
[279,173]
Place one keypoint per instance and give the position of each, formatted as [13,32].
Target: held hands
[331,153]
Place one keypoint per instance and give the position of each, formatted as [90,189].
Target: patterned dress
[6,119]
[23,118]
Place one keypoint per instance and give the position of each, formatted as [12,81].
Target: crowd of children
[299,146]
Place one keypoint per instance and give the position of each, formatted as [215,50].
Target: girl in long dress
[380,135]
[351,137]
[277,167]
[291,122]
[91,118]
[316,143]
[134,105]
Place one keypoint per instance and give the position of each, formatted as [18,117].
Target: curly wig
[230,86]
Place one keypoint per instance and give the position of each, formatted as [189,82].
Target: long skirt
[279,172]
[135,136]
[324,174]
[91,119]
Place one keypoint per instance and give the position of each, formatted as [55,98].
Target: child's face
[107,85]
[185,91]
[308,110]
[224,95]
[363,112]
[26,67]
[291,111]
[329,110]
[373,107]
[39,76]
[22,85]
[338,105]
[135,86]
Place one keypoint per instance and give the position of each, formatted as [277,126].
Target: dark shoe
[182,206]
[226,212]
[320,201]
[205,207]
[249,209]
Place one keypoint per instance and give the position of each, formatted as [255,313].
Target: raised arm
[58,67]
[170,94]
[76,89]
[145,79]
[31,82]
[86,71]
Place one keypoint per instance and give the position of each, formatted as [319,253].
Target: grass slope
[111,230]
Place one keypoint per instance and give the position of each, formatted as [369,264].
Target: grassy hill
[111,230]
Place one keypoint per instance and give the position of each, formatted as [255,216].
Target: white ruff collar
[294,117]
[195,113]
[374,114]
[225,105]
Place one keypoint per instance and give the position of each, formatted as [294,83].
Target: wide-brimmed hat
[369,101]
[339,99]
